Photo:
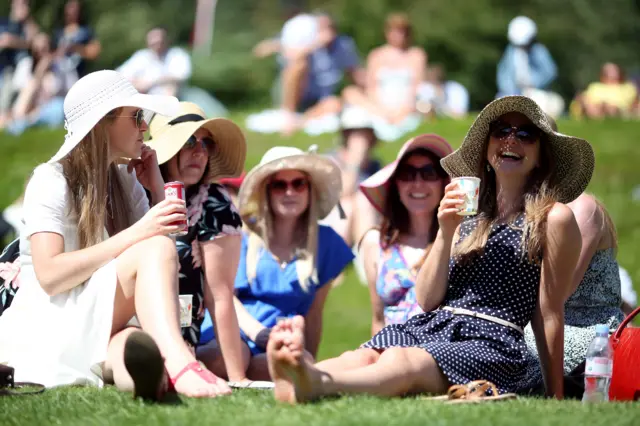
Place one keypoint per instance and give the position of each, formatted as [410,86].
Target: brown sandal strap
[476,389]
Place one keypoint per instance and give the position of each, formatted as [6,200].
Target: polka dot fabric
[501,283]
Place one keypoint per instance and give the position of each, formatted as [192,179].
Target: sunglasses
[139,117]
[207,143]
[409,173]
[527,133]
[281,186]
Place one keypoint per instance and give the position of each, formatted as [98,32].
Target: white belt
[462,311]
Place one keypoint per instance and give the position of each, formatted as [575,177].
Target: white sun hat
[98,93]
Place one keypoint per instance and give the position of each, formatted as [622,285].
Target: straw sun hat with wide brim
[168,134]
[377,186]
[94,96]
[324,173]
[573,156]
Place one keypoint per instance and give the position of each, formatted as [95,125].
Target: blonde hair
[307,230]
[96,191]
[538,200]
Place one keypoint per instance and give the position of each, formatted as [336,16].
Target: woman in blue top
[287,259]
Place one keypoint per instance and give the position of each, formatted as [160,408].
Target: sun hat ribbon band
[186,119]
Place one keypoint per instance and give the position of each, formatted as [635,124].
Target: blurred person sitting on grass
[407,193]
[314,59]
[356,161]
[160,69]
[95,256]
[287,260]
[45,83]
[485,278]
[393,73]
[612,96]
[438,97]
[75,42]
[16,33]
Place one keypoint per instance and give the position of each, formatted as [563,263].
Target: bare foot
[196,382]
[295,380]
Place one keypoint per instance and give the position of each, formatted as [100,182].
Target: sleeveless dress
[597,300]
[396,286]
[500,282]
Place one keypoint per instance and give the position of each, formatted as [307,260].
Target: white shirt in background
[147,66]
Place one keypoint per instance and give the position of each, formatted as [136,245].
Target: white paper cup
[186,306]
[471,186]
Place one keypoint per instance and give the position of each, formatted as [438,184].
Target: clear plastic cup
[186,306]
[471,186]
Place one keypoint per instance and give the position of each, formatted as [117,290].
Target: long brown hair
[538,199]
[396,220]
[97,194]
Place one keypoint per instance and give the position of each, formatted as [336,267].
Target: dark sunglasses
[207,143]
[407,173]
[527,133]
[281,186]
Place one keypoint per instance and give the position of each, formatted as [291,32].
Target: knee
[362,357]
[349,92]
[332,104]
[158,246]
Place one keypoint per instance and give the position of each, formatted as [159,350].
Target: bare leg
[354,95]
[593,110]
[350,360]
[148,285]
[328,105]
[397,372]
[211,355]
[293,79]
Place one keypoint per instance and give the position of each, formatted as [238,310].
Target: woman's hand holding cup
[448,212]
[162,219]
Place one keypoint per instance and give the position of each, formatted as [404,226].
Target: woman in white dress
[93,255]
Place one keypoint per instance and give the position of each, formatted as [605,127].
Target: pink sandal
[194,366]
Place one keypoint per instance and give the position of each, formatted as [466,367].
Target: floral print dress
[211,215]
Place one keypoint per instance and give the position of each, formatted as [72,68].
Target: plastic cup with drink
[471,187]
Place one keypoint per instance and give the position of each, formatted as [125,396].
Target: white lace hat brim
[165,105]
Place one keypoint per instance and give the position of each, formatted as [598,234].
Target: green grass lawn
[347,314]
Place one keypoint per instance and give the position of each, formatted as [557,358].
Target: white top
[146,65]
[57,340]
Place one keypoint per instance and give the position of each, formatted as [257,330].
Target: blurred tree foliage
[467,36]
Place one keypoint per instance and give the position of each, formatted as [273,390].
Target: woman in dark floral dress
[197,151]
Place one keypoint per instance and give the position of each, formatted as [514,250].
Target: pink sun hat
[375,188]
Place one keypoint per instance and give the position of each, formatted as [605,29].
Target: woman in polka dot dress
[483,280]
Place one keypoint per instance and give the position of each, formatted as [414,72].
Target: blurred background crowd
[435,58]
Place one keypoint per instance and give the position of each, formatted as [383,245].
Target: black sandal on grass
[145,365]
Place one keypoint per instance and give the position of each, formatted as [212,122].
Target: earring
[489,167]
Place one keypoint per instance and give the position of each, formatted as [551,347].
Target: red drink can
[176,190]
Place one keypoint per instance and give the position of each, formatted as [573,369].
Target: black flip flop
[145,365]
